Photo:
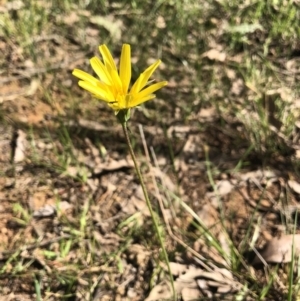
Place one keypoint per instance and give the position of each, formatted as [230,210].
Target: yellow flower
[113,86]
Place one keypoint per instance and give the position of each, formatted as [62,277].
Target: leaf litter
[117,198]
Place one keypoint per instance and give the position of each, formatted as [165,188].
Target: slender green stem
[155,224]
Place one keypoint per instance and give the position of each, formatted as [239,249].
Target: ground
[218,148]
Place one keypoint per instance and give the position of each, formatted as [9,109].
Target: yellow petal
[107,58]
[146,94]
[85,76]
[125,67]
[137,101]
[100,70]
[151,89]
[143,78]
[108,90]
[117,84]
[114,106]
[96,91]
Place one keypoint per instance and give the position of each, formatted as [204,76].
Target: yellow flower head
[113,86]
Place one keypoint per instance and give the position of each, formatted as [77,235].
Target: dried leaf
[160,292]
[208,215]
[110,24]
[190,293]
[140,254]
[14,5]
[45,211]
[178,268]
[294,186]
[112,165]
[192,273]
[279,250]
[71,18]
[160,22]
[207,114]
[215,55]
[12,297]
[20,146]
[64,206]
[258,175]
[224,187]
[237,87]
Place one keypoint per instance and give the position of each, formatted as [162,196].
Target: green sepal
[123,115]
